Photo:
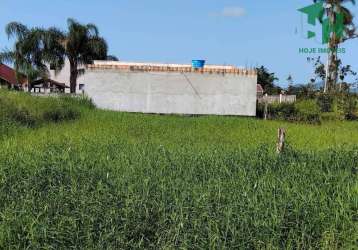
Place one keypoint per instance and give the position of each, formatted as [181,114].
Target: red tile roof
[9,75]
[259,88]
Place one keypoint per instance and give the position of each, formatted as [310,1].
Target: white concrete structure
[170,88]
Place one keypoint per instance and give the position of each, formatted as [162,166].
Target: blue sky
[241,32]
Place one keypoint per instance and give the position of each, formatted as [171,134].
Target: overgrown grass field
[93,179]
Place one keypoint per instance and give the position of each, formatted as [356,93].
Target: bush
[325,102]
[58,111]
[285,111]
[10,110]
[330,116]
[23,116]
[79,101]
[22,109]
[303,111]
[280,111]
[347,107]
[308,111]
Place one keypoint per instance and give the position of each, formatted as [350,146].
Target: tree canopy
[267,81]
[36,48]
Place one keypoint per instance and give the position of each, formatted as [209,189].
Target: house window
[81,86]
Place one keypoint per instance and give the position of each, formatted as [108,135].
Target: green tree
[267,80]
[36,48]
[332,10]
[343,71]
[32,50]
[82,44]
[290,80]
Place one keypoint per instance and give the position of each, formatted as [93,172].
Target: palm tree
[333,10]
[31,51]
[36,48]
[82,44]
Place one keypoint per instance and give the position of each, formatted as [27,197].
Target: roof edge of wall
[181,68]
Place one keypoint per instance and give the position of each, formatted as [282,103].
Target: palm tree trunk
[73,76]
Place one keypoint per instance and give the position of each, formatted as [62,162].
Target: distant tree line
[315,85]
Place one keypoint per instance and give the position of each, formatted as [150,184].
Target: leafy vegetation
[320,106]
[36,48]
[112,180]
[267,81]
[81,45]
[332,10]
[19,110]
[31,51]
[306,111]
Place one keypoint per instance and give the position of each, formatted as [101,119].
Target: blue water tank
[198,64]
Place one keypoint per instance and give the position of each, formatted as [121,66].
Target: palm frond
[112,58]
[92,29]
[347,15]
[16,29]
[7,56]
[71,22]
[98,48]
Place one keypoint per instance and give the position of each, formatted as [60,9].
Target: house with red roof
[259,90]
[8,78]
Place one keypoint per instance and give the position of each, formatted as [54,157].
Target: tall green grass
[19,110]
[129,181]
[112,194]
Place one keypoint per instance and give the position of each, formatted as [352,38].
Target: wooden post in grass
[266,106]
[281,140]
[265,110]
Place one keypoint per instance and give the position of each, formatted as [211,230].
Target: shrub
[22,109]
[308,111]
[330,116]
[10,110]
[23,116]
[347,107]
[285,111]
[79,101]
[260,110]
[303,111]
[325,102]
[58,111]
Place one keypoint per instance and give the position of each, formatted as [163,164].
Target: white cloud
[233,11]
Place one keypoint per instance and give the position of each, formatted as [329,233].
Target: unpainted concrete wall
[172,92]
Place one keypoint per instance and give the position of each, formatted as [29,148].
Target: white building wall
[172,92]
[167,92]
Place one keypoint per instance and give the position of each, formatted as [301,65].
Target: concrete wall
[172,92]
